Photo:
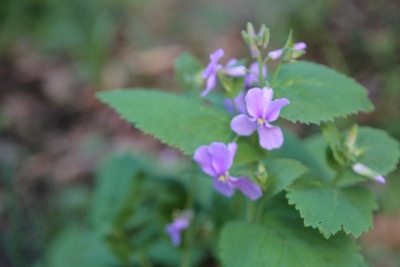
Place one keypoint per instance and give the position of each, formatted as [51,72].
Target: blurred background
[54,55]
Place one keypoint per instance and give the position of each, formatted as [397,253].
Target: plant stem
[260,71]
[278,69]
[188,235]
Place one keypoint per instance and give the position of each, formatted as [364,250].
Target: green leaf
[332,209]
[281,173]
[317,93]
[114,191]
[188,71]
[175,120]
[78,248]
[282,240]
[382,151]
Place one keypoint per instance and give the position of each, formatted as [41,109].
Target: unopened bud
[261,174]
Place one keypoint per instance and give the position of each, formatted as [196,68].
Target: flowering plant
[295,195]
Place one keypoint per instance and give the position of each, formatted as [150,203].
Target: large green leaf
[317,93]
[281,173]
[381,150]
[115,188]
[78,248]
[175,120]
[282,240]
[330,209]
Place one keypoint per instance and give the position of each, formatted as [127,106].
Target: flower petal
[380,179]
[275,54]
[243,125]
[216,55]
[247,187]
[174,234]
[223,188]
[256,100]
[203,158]
[239,102]
[271,137]
[272,111]
[237,71]
[252,77]
[367,172]
[211,83]
[300,46]
[221,157]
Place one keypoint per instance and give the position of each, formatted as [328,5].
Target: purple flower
[239,103]
[174,229]
[251,79]
[262,110]
[275,54]
[215,160]
[211,71]
[367,172]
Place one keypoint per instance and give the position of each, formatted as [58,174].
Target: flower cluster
[262,110]
[213,68]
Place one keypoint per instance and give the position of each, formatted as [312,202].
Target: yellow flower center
[260,121]
[222,178]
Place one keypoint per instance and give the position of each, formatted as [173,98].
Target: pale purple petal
[175,228]
[365,171]
[380,179]
[203,158]
[243,125]
[247,187]
[275,54]
[239,102]
[300,46]
[256,99]
[221,157]
[232,147]
[223,188]
[174,234]
[211,83]
[272,111]
[236,71]
[252,77]
[216,55]
[270,137]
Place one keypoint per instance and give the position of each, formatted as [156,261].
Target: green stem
[260,208]
[188,235]
[260,71]
[278,69]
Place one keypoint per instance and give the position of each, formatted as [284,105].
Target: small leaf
[188,71]
[282,240]
[317,93]
[331,209]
